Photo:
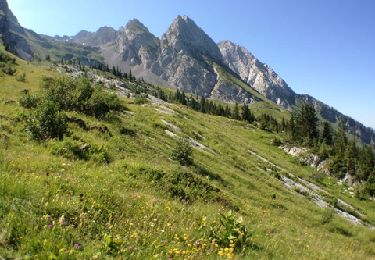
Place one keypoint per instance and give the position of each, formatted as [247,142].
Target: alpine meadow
[118,144]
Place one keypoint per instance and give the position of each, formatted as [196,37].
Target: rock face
[12,34]
[102,36]
[257,74]
[184,57]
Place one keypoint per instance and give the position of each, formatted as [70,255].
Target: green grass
[126,209]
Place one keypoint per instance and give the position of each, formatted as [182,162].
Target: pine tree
[236,112]
[293,131]
[327,135]
[130,75]
[341,140]
[366,163]
[307,122]
[203,105]
[351,155]
[246,114]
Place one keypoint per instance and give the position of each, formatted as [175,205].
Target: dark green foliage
[327,134]
[7,64]
[246,114]
[276,141]
[140,100]
[236,112]
[78,150]
[28,100]
[231,233]
[47,122]
[366,163]
[324,151]
[81,96]
[127,131]
[101,103]
[184,186]
[307,123]
[183,152]
[268,123]
[341,140]
[328,215]
[351,155]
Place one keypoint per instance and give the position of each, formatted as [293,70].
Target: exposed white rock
[171,126]
[170,134]
[257,74]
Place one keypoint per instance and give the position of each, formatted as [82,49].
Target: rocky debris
[155,100]
[109,83]
[304,156]
[165,110]
[170,134]
[348,179]
[313,192]
[294,151]
[197,144]
[171,126]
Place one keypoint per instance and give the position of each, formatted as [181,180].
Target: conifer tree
[327,134]
[246,114]
[236,112]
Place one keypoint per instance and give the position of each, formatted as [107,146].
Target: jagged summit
[136,25]
[184,34]
[257,74]
[184,57]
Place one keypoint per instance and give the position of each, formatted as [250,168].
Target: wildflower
[77,246]
[63,221]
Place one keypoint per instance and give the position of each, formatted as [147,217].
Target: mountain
[184,57]
[257,74]
[12,34]
[112,187]
[29,45]
[262,78]
[187,58]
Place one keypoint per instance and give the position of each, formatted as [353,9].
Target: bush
[21,77]
[81,96]
[7,64]
[327,216]
[276,141]
[75,150]
[231,233]
[28,101]
[47,122]
[102,102]
[183,152]
[140,100]
[8,69]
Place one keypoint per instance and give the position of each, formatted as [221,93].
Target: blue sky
[325,48]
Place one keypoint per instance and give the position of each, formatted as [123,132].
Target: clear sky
[325,48]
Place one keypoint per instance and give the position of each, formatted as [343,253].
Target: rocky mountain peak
[257,74]
[136,26]
[185,35]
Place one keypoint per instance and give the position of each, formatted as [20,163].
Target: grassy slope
[263,105]
[138,212]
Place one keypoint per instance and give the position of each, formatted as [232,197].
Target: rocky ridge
[184,57]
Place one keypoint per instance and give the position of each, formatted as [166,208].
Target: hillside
[110,188]
[184,58]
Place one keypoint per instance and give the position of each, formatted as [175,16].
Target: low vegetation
[89,174]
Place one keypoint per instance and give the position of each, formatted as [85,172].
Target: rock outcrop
[184,57]
[257,74]
[12,34]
